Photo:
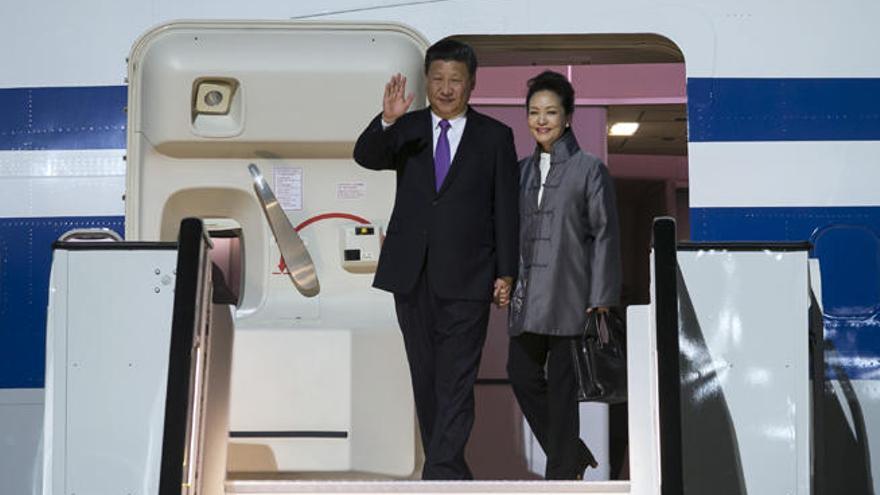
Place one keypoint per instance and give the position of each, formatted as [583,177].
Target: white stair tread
[280,487]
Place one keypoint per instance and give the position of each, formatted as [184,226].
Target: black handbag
[600,359]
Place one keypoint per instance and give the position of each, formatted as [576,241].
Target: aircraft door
[320,381]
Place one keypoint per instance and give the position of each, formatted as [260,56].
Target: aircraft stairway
[97,407]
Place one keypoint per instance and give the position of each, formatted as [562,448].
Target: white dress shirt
[544,165]
[456,130]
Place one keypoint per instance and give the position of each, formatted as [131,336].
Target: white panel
[218,373]
[378,356]
[113,329]
[802,39]
[86,43]
[124,327]
[67,163]
[82,43]
[804,173]
[644,428]
[292,381]
[594,433]
[67,197]
[55,385]
[61,183]
[752,310]
[260,354]
[689,27]
[719,38]
[21,424]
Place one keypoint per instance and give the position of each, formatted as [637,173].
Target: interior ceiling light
[623,129]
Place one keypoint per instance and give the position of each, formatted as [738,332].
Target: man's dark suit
[443,251]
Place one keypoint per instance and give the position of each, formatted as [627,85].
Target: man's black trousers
[444,340]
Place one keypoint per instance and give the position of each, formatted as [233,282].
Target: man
[451,244]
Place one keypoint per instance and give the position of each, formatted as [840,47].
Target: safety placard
[351,190]
[289,187]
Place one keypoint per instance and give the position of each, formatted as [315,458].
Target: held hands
[501,294]
[394,104]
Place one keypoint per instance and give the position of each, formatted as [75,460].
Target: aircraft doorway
[617,79]
[320,389]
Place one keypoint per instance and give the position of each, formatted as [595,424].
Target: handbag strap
[602,326]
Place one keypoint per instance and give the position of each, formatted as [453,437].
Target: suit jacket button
[434,203]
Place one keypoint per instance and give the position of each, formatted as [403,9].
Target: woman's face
[547,118]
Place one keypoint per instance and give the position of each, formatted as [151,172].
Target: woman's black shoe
[587,461]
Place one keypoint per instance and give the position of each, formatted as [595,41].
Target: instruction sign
[289,187]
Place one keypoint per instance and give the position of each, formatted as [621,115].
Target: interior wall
[662,83]
[588,123]
[671,171]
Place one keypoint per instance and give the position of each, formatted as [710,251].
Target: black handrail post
[191,258]
[668,357]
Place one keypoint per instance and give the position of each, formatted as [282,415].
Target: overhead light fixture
[623,128]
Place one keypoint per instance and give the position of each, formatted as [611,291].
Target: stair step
[281,487]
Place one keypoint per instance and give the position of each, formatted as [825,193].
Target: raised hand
[394,103]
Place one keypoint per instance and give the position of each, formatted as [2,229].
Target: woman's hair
[556,83]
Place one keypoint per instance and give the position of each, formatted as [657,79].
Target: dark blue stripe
[783,109]
[777,223]
[846,240]
[69,118]
[719,109]
[25,261]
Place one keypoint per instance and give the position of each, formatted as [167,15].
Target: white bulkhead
[320,383]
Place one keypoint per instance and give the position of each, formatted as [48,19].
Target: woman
[569,267]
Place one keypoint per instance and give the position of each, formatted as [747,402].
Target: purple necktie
[441,154]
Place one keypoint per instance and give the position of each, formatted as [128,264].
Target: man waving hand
[451,245]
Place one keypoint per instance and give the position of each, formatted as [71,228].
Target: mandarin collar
[563,149]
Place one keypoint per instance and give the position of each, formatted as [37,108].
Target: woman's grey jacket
[569,244]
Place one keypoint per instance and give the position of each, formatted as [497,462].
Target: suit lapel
[462,154]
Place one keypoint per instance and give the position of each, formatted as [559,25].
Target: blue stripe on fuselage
[25,262]
[719,110]
[783,109]
[66,118]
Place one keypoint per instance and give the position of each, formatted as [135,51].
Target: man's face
[449,88]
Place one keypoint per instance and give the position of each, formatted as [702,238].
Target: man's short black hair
[450,50]
[556,83]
